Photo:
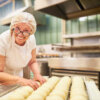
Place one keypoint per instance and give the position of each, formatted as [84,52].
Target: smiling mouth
[20,38]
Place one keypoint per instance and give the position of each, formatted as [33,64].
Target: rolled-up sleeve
[33,42]
[2,47]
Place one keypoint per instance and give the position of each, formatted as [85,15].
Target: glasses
[17,31]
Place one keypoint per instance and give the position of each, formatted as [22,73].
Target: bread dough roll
[23,93]
[53,79]
[79,98]
[54,98]
[40,92]
[78,91]
[47,86]
[35,97]
[1,98]
[28,89]
[5,97]
[58,93]
[15,96]
[44,89]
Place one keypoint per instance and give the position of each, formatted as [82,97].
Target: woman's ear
[12,31]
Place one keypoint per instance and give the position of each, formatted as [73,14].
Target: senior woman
[18,50]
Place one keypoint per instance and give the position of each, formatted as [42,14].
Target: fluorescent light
[92,17]
[82,18]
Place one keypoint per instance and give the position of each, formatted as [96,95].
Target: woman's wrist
[37,74]
[18,79]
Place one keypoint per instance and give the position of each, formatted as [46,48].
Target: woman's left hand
[39,78]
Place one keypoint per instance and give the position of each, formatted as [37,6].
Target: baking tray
[5,89]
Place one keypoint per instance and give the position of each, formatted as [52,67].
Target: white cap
[26,18]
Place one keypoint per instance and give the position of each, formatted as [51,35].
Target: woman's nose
[20,34]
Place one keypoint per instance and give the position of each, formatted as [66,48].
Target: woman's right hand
[29,82]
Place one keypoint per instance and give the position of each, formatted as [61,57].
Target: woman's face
[21,32]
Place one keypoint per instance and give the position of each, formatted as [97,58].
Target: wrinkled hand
[39,78]
[29,82]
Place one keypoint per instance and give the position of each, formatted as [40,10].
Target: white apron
[17,57]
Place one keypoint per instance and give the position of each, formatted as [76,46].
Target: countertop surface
[4,89]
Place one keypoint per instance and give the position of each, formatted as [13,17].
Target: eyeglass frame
[21,32]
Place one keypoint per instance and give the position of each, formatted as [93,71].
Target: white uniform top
[17,57]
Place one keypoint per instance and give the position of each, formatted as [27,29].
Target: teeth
[20,38]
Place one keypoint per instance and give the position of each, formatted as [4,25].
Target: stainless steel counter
[5,89]
[88,67]
[88,64]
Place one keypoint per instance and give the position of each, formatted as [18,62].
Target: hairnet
[26,18]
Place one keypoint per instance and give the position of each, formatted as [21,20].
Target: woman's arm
[7,79]
[4,77]
[35,68]
[33,63]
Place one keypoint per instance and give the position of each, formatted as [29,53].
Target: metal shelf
[84,35]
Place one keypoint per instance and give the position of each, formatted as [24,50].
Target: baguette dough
[54,98]
[15,96]
[78,91]
[59,93]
